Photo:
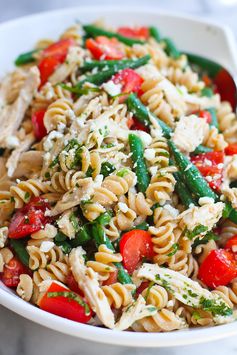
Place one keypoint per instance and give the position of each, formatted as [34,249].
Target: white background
[21,337]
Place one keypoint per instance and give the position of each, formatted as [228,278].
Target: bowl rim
[103,335]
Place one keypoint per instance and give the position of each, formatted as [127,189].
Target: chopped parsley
[106,169]
[27,196]
[216,308]
[209,236]
[174,248]
[196,231]
[196,315]
[123,172]
[151,284]
[74,221]
[47,175]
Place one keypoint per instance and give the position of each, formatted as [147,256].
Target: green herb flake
[71,296]
[27,196]
[47,175]
[123,172]
[196,231]
[174,248]
[196,315]
[216,308]
[151,284]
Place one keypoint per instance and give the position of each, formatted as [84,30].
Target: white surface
[28,338]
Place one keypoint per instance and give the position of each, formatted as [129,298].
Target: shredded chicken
[65,225]
[12,115]
[73,197]
[16,153]
[186,290]
[3,236]
[189,133]
[29,163]
[133,312]
[87,280]
[207,215]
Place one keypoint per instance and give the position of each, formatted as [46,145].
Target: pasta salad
[118,194]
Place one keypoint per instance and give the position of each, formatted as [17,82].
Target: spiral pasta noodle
[162,185]
[59,112]
[104,259]
[40,259]
[119,295]
[25,287]
[24,190]
[186,77]
[227,121]
[157,296]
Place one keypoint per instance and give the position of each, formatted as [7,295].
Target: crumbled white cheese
[153,170]
[149,154]
[123,207]
[48,143]
[204,200]
[98,180]
[61,127]
[173,211]
[46,246]
[111,88]
[145,137]
[12,142]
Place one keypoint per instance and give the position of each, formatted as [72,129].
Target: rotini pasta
[101,205]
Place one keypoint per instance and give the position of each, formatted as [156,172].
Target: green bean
[96,31]
[201,149]
[136,147]
[82,236]
[104,218]
[214,121]
[170,48]
[121,64]
[106,168]
[19,247]
[191,175]
[26,58]
[155,33]
[101,238]
[104,75]
[143,115]
[208,92]
[183,192]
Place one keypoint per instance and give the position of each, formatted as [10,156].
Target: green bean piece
[155,33]
[171,49]
[106,169]
[94,31]
[136,147]
[201,149]
[233,214]
[183,192]
[142,226]
[191,175]
[121,64]
[208,92]
[104,75]
[233,183]
[143,115]
[214,121]
[104,218]
[101,238]
[19,247]
[26,58]
[82,236]
[60,237]
[123,276]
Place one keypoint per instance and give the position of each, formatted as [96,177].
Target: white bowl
[190,34]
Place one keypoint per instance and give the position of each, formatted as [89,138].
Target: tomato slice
[129,80]
[138,32]
[104,47]
[72,284]
[226,87]
[29,219]
[12,271]
[52,57]
[134,246]
[113,278]
[138,126]
[232,244]
[58,49]
[219,268]
[231,149]
[211,167]
[142,287]
[65,305]
[46,67]
[38,124]
[206,115]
